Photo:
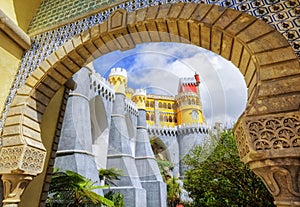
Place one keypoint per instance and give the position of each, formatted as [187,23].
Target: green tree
[173,186]
[72,189]
[108,176]
[222,179]
[173,191]
[165,168]
[116,197]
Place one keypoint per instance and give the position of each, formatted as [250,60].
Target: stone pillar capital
[18,165]
[270,144]
[14,185]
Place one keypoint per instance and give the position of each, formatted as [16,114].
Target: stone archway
[268,132]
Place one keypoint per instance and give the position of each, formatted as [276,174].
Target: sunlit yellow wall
[31,196]
[20,12]
[25,11]
[185,115]
[10,55]
[165,107]
[7,6]
[119,83]
[129,92]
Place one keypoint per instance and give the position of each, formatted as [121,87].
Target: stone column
[120,156]
[119,151]
[147,167]
[75,145]
[270,145]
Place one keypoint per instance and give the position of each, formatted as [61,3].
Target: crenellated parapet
[179,130]
[130,107]
[160,131]
[190,81]
[193,128]
[100,86]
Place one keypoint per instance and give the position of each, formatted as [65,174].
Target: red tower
[189,84]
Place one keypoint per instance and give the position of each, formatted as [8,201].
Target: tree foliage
[72,189]
[173,191]
[222,179]
[116,197]
[173,186]
[110,174]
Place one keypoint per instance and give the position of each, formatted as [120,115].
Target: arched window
[160,105]
[170,118]
[147,116]
[152,104]
[169,105]
[161,118]
[165,105]
[152,117]
[165,119]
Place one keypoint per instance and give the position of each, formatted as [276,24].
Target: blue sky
[157,67]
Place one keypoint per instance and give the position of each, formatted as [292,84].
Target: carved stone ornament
[275,133]
[23,158]
[282,178]
[268,137]
[14,185]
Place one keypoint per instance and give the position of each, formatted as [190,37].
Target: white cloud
[160,65]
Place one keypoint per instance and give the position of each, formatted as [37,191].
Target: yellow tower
[189,107]
[118,78]
[139,98]
[129,92]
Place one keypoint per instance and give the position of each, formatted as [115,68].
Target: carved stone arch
[264,57]
[158,146]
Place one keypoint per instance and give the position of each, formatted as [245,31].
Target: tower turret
[118,78]
[197,78]
[189,107]
[139,98]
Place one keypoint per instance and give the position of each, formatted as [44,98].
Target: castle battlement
[193,128]
[177,130]
[140,92]
[188,80]
[158,130]
[118,72]
[130,107]
[186,94]
[100,86]
[171,98]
